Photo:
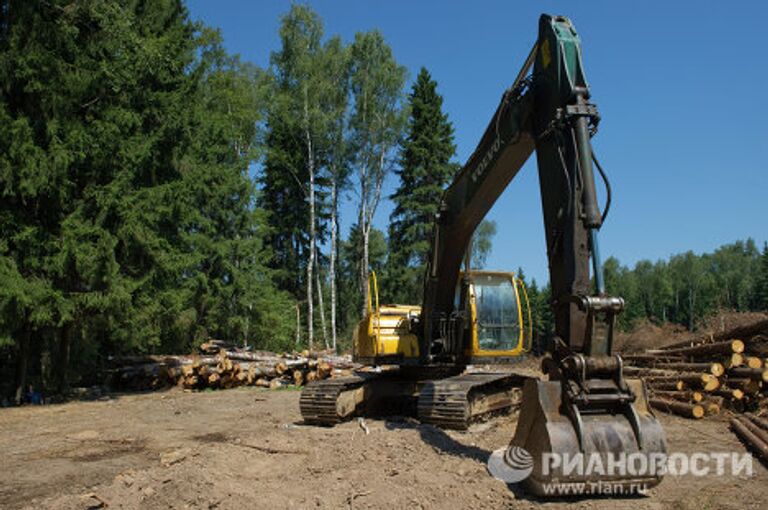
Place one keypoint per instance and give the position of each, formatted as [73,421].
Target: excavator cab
[499,312]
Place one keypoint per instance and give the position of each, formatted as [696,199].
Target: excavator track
[449,402]
[335,400]
[456,402]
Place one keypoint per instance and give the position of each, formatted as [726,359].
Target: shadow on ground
[440,440]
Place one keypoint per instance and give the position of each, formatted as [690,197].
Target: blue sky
[680,87]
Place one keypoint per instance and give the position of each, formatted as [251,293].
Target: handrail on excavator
[377,315]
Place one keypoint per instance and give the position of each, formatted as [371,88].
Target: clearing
[247,448]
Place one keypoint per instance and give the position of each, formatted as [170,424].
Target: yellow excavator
[417,356]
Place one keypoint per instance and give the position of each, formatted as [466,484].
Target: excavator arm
[587,406]
[547,112]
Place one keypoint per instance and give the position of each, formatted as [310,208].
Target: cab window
[498,326]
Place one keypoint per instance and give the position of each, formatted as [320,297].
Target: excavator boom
[546,112]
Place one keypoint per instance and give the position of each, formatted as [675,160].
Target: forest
[158,191]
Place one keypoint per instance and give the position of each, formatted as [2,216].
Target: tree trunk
[298,326]
[332,268]
[364,255]
[321,305]
[21,367]
[369,203]
[365,268]
[691,302]
[62,360]
[311,261]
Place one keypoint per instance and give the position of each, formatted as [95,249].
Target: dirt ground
[247,448]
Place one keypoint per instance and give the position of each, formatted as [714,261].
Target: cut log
[298,377]
[199,361]
[754,362]
[716,348]
[695,411]
[215,346]
[664,386]
[736,360]
[759,421]
[706,382]
[755,428]
[649,372]
[712,408]
[749,386]
[713,404]
[745,429]
[650,359]
[755,374]
[682,396]
[715,369]
[323,369]
[735,394]
[168,359]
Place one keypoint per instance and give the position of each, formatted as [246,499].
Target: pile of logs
[223,366]
[704,376]
[229,369]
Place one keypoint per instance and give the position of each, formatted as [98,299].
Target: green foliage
[350,292]
[425,169]
[482,243]
[542,317]
[376,126]
[285,177]
[760,299]
[688,287]
[376,81]
[308,156]
[127,213]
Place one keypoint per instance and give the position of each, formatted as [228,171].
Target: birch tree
[376,126]
[300,103]
[311,99]
[337,157]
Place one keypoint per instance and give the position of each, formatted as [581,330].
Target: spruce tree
[425,170]
[127,216]
[283,197]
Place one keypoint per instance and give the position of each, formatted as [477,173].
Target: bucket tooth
[543,428]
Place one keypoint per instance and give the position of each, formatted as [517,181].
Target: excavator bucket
[587,452]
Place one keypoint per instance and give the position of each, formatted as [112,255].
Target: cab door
[500,316]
